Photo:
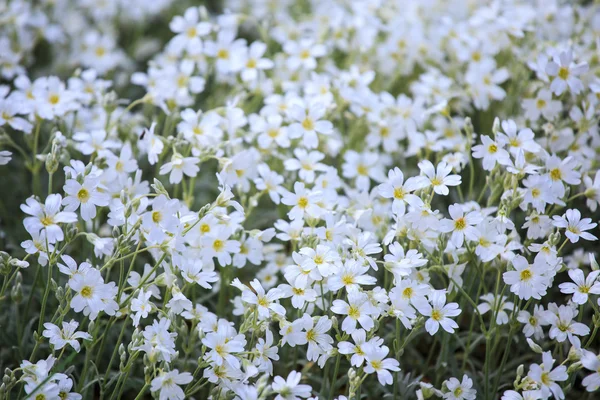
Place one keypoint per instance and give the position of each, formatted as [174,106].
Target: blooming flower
[376,362]
[439,312]
[582,286]
[47,217]
[68,334]
[439,179]
[575,226]
[565,73]
[290,388]
[167,383]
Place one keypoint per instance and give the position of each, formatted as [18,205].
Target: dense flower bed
[299,199]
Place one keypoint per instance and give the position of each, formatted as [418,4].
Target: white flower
[180,165]
[439,312]
[168,384]
[92,295]
[546,377]
[68,334]
[264,302]
[323,259]
[401,264]
[565,73]
[458,390]
[563,326]
[266,352]
[527,280]
[85,195]
[461,225]
[255,62]
[304,202]
[303,54]
[290,388]
[47,217]
[395,188]
[517,140]
[5,157]
[309,122]
[575,226]
[591,362]
[498,306]
[376,362]
[491,152]
[533,322]
[141,306]
[306,163]
[358,309]
[582,287]
[440,179]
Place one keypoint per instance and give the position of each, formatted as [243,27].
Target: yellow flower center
[399,193]
[87,292]
[526,274]
[47,220]
[304,54]
[218,245]
[545,379]
[540,104]
[555,174]
[223,54]
[191,32]
[302,202]
[362,170]
[376,364]
[353,312]
[563,73]
[492,148]
[407,293]
[436,315]
[156,217]
[83,195]
[54,99]
[263,302]
[308,124]
[460,224]
[347,279]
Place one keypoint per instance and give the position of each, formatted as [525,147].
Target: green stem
[334,377]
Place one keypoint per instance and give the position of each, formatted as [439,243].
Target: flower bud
[159,188]
[51,163]
[16,293]
[496,126]
[574,367]
[533,346]
[593,262]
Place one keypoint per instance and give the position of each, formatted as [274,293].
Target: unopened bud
[533,346]
[16,293]
[496,126]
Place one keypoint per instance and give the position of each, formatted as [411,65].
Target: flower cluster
[304,199]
